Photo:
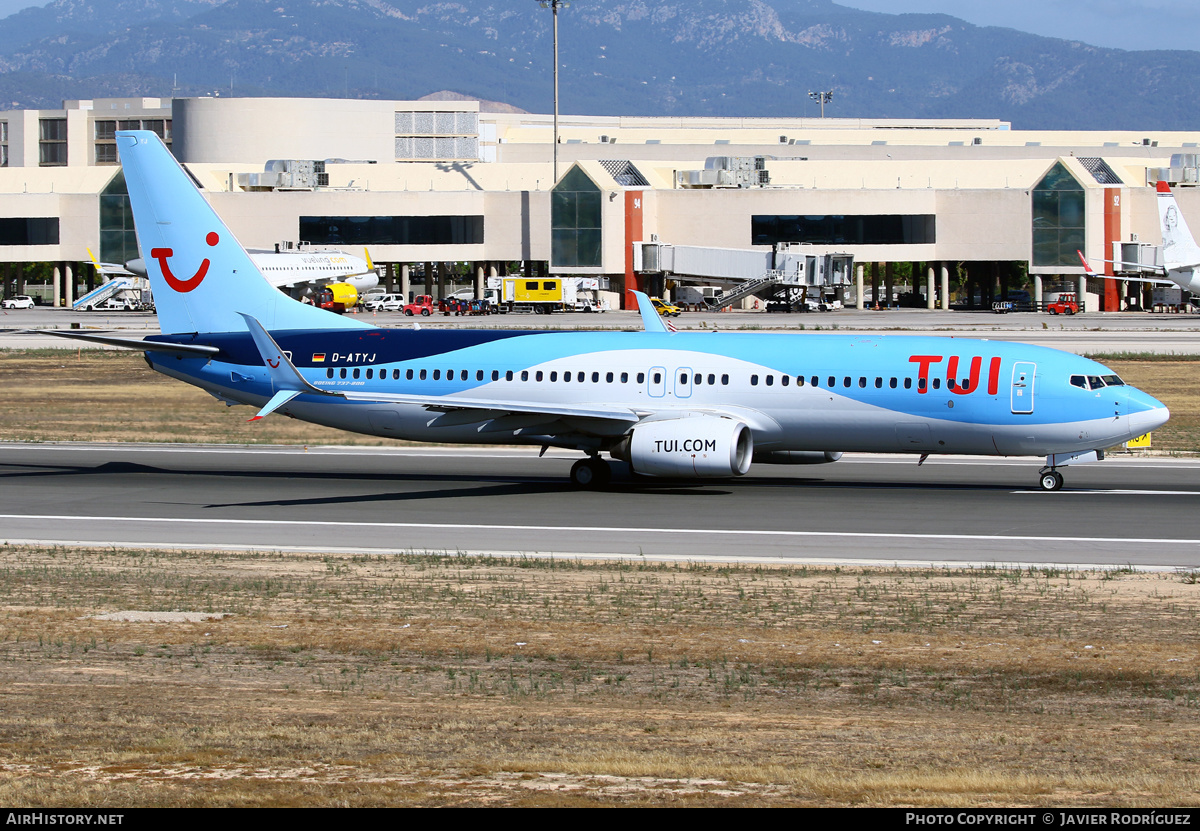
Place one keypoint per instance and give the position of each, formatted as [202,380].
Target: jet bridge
[744,272]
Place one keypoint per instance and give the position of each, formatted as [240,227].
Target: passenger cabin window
[479,375]
[862,382]
[658,377]
[495,375]
[754,380]
[396,374]
[921,382]
[724,380]
[770,380]
[538,377]
[846,381]
[508,376]
[553,376]
[937,383]
[408,376]
[608,377]
[370,374]
[355,372]
[785,379]
[437,375]
[641,377]
[329,372]
[624,377]
[908,383]
[524,375]
[423,374]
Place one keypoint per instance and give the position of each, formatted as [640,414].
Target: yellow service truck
[540,295]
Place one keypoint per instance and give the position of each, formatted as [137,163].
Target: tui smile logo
[183,286]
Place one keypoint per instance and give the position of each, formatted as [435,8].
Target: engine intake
[699,447]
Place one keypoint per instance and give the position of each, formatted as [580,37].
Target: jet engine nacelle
[797,457]
[700,447]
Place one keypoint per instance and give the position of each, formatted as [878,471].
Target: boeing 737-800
[671,404]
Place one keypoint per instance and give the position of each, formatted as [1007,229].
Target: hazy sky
[1124,24]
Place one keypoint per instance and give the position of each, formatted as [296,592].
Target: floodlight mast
[823,98]
[554,6]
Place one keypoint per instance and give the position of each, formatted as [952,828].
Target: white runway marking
[607,529]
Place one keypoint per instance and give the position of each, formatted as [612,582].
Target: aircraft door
[683,382]
[1022,387]
[657,380]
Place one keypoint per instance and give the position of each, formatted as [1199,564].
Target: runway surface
[865,509]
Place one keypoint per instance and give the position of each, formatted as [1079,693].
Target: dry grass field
[444,680]
[434,679]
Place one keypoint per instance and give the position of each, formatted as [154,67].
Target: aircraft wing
[489,408]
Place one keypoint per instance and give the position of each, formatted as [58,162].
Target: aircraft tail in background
[203,279]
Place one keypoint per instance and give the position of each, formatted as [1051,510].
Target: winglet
[651,320]
[1162,187]
[1087,268]
[370,265]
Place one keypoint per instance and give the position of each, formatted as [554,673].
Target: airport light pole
[823,98]
[554,6]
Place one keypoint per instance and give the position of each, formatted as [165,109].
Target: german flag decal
[318,358]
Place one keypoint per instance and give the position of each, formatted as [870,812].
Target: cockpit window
[1113,380]
[1079,381]
[1095,381]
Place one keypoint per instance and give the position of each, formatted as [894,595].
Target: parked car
[664,308]
[384,303]
[21,301]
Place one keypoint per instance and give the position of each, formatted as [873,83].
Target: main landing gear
[590,473]
[1050,479]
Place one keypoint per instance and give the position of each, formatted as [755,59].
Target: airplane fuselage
[797,392]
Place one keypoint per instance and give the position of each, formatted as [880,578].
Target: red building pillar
[633,233]
[1112,233]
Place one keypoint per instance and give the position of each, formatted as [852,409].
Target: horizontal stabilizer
[131,343]
[277,400]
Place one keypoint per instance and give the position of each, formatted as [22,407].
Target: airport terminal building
[440,191]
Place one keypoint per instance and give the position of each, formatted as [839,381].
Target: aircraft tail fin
[201,275]
[1179,246]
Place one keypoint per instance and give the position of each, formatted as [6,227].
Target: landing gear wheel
[1051,480]
[590,473]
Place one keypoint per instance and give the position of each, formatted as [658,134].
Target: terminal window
[29,230]
[52,142]
[862,229]
[1059,227]
[392,230]
[575,221]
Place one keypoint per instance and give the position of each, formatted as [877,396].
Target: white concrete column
[929,293]
[1081,294]
[57,286]
[858,287]
[945,287]
[69,273]
[479,283]
[405,279]
[1037,291]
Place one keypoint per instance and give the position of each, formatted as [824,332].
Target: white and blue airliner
[671,404]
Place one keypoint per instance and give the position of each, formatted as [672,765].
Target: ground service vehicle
[683,405]
[543,294]
[422,305]
[1065,304]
